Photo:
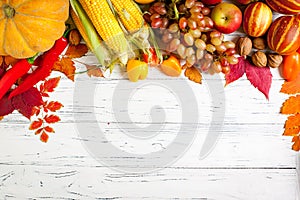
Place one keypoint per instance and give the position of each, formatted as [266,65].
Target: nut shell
[274,60]
[74,37]
[244,46]
[259,43]
[259,59]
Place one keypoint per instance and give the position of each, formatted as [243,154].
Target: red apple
[245,2]
[227,17]
[211,2]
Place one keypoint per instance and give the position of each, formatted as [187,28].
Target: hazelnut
[259,43]
[244,46]
[274,60]
[74,37]
[259,59]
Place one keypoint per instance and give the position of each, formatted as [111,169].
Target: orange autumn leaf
[37,132]
[76,51]
[9,60]
[44,137]
[94,71]
[292,121]
[296,141]
[49,129]
[291,105]
[50,84]
[291,131]
[54,106]
[291,87]
[193,74]
[66,66]
[51,119]
[36,124]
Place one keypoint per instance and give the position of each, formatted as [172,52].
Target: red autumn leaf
[6,106]
[26,102]
[54,106]
[291,87]
[44,137]
[50,84]
[51,119]
[32,97]
[259,77]
[36,111]
[49,129]
[39,131]
[236,71]
[291,105]
[36,124]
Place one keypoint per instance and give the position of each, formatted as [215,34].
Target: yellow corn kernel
[107,26]
[129,14]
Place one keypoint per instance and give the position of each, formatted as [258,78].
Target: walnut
[244,46]
[259,43]
[274,60]
[259,59]
[74,37]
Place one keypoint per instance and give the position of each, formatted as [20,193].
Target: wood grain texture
[251,160]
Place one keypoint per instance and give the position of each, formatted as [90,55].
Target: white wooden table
[251,159]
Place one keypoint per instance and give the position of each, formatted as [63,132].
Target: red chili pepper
[151,58]
[12,75]
[43,71]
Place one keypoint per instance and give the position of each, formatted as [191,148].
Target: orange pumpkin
[31,26]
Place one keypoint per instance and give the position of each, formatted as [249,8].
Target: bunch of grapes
[184,28]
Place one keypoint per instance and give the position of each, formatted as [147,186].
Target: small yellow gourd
[31,26]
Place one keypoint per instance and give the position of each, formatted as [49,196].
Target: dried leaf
[54,106]
[66,66]
[50,84]
[193,74]
[76,51]
[236,71]
[51,119]
[291,87]
[291,105]
[49,129]
[94,71]
[9,60]
[44,137]
[36,124]
[259,77]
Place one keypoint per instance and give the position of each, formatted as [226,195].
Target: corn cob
[80,28]
[129,14]
[107,26]
[89,33]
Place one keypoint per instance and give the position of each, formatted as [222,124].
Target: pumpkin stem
[9,11]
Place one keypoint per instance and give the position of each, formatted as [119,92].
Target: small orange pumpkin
[31,26]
